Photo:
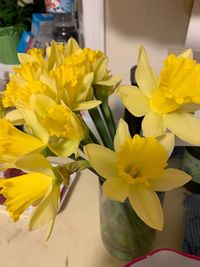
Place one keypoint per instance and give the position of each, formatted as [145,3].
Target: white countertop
[75,241]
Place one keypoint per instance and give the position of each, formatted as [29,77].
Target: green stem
[101,128]
[108,117]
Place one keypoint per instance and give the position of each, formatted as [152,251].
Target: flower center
[132,171]
[178,85]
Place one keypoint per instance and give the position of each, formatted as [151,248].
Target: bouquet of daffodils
[48,97]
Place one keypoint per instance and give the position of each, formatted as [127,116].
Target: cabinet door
[93,23]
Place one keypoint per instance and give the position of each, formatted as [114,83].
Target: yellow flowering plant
[46,95]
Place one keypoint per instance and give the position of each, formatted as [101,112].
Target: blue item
[24,42]
[38,22]
[192,225]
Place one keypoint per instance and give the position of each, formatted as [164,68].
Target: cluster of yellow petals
[22,191]
[179,83]
[62,122]
[21,93]
[75,66]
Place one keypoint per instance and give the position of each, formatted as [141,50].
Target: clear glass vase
[123,233]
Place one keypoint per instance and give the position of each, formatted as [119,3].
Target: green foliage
[12,14]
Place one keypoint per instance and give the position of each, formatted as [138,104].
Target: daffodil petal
[171,179]
[187,54]
[122,133]
[15,117]
[112,81]
[116,189]
[54,56]
[64,148]
[46,211]
[41,104]
[32,122]
[102,159]
[101,69]
[51,85]
[34,162]
[87,105]
[134,100]
[25,58]
[168,141]
[24,190]
[147,206]
[189,107]
[152,124]
[145,76]
[185,126]
[71,47]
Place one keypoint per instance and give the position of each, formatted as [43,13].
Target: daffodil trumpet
[167,101]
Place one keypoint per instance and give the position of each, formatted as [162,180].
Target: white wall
[157,24]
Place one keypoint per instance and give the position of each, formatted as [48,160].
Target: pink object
[166,258]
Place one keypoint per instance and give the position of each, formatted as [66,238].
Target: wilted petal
[171,179]
[145,76]
[185,126]
[152,124]
[147,206]
[122,133]
[134,100]
[102,159]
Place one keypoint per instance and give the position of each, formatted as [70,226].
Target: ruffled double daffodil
[39,186]
[30,77]
[135,170]
[167,101]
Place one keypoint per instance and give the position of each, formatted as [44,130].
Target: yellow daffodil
[167,101]
[39,186]
[135,171]
[24,190]
[61,123]
[2,109]
[15,94]
[14,144]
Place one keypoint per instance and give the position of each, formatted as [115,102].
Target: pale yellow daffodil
[39,186]
[15,143]
[65,128]
[135,171]
[167,101]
